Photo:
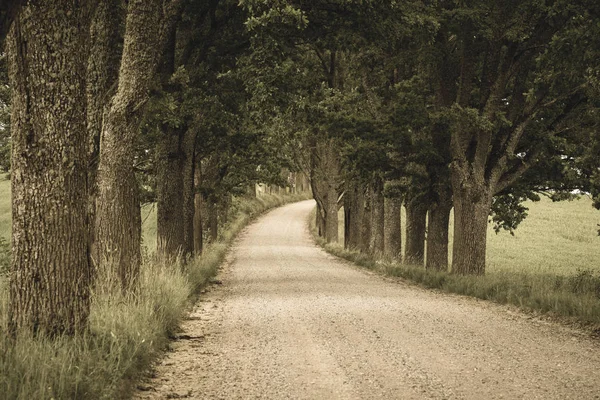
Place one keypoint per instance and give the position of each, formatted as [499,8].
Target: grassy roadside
[126,332]
[574,297]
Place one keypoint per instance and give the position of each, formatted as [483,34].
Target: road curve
[290,321]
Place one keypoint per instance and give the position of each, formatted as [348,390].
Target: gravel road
[290,321]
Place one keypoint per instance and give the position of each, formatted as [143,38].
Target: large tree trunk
[50,270]
[324,175]
[169,176]
[416,217]
[393,228]
[118,220]
[471,211]
[102,74]
[189,163]
[437,234]
[198,230]
[353,214]
[377,217]
[169,195]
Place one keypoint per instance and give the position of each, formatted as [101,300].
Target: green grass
[126,332]
[550,265]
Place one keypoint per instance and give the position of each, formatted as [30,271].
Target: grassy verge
[574,297]
[126,332]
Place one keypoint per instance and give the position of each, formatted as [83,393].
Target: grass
[126,332]
[550,265]
[5,224]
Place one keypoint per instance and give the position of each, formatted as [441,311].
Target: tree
[50,272]
[513,99]
[118,220]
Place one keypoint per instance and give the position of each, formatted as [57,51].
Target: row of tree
[472,106]
[113,104]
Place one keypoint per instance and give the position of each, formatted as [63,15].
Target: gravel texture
[290,321]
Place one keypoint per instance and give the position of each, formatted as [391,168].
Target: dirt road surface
[292,322]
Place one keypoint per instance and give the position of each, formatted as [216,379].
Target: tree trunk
[50,270]
[331,214]
[437,234]
[377,217]
[393,228]
[353,209]
[198,242]
[169,195]
[102,74]
[471,211]
[365,231]
[213,220]
[188,164]
[118,220]
[416,217]
[320,215]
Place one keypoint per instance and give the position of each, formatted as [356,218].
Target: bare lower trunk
[118,220]
[365,230]
[353,209]
[50,270]
[169,195]
[331,215]
[437,234]
[393,228]
[102,74]
[320,216]
[377,217]
[213,220]
[416,217]
[198,242]
[188,164]
[471,211]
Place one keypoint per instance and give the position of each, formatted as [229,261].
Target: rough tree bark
[393,228]
[169,157]
[198,231]
[437,233]
[353,214]
[377,217]
[118,220]
[169,194]
[472,206]
[416,217]
[50,270]
[365,229]
[189,164]
[324,183]
[102,75]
